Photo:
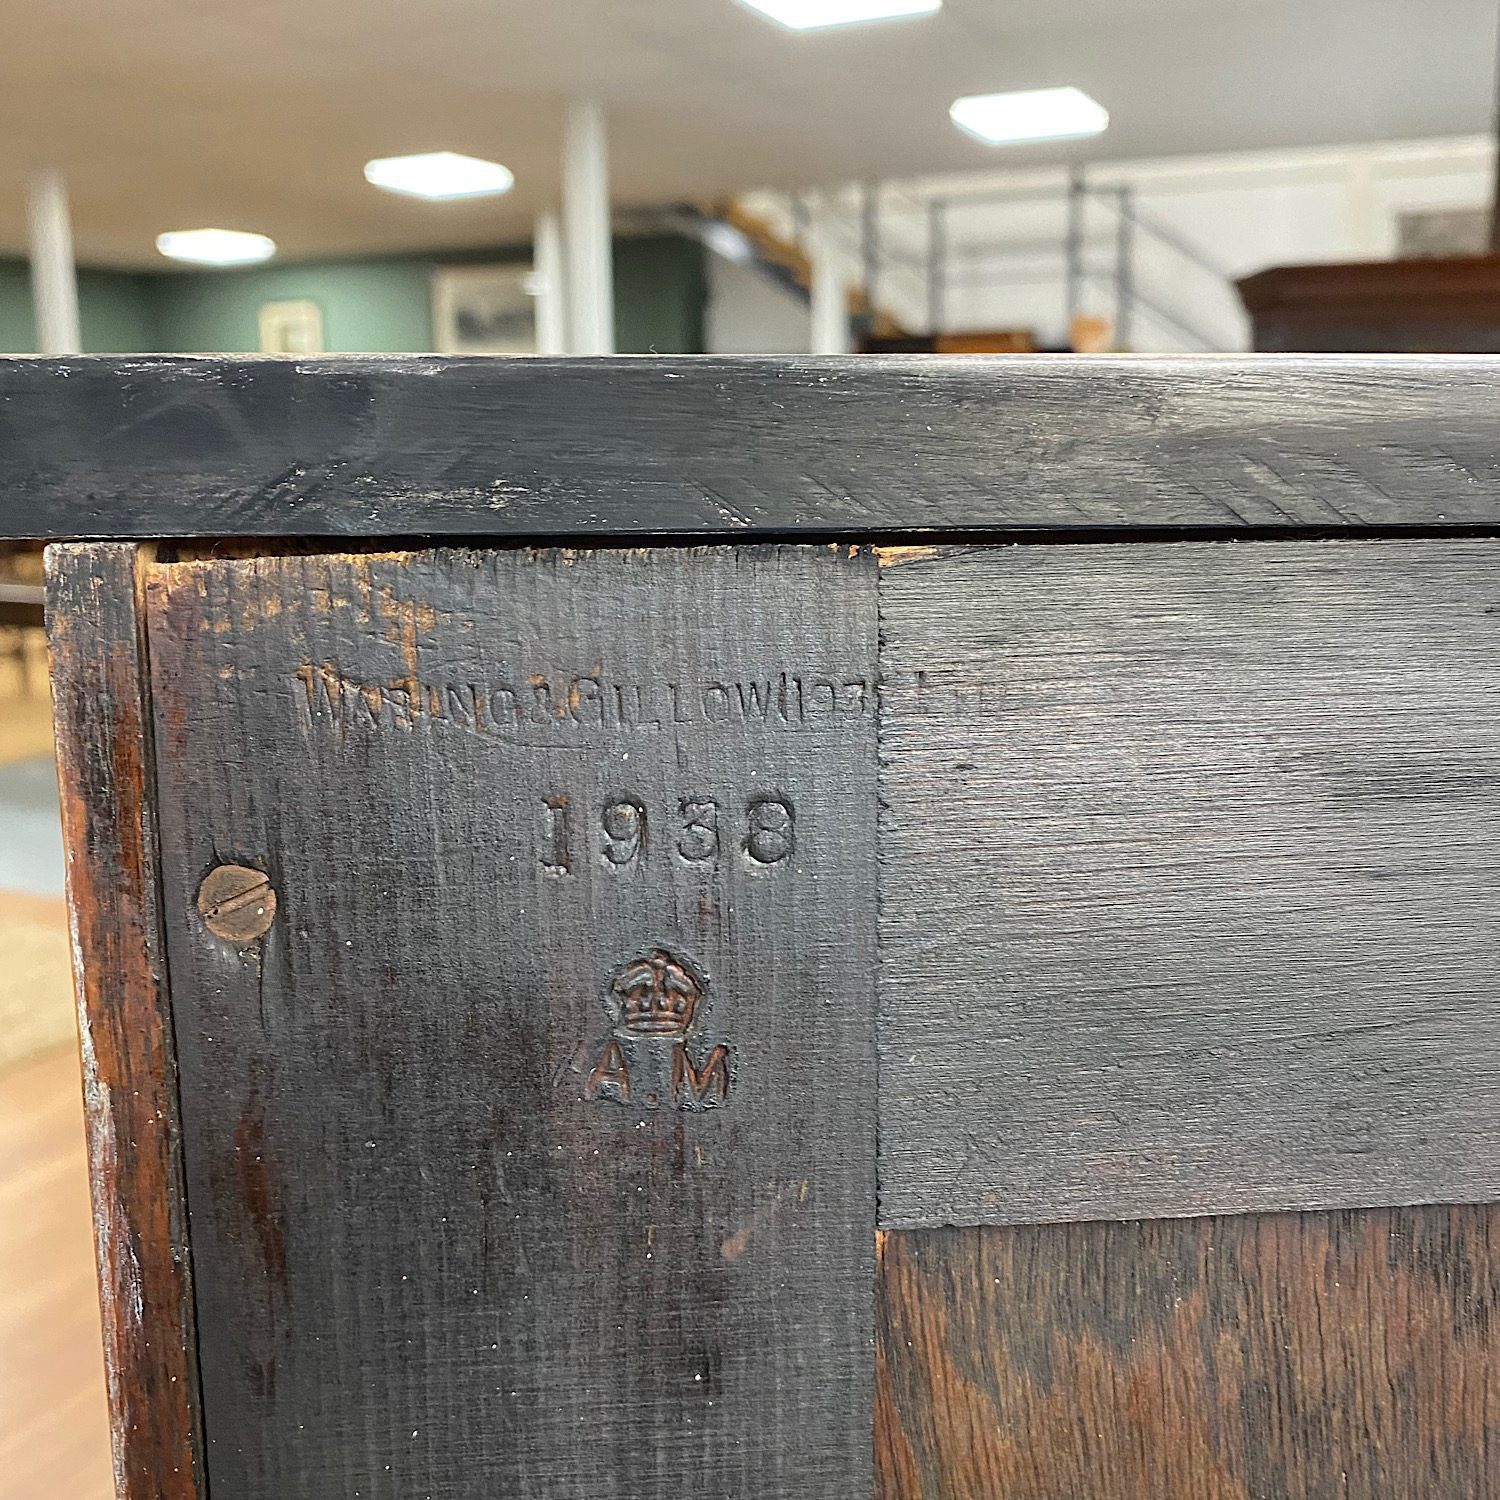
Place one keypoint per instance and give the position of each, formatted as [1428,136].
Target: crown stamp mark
[654,996]
[651,1001]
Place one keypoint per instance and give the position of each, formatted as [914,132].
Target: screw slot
[237,903]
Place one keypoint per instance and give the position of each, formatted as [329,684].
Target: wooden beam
[366,447]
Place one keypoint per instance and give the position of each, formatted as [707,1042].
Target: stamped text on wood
[526,1141]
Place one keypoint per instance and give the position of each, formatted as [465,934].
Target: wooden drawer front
[531,1150]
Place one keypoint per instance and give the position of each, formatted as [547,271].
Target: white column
[54,279]
[550,287]
[830,285]
[586,229]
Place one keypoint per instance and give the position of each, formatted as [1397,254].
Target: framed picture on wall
[483,310]
[1438,233]
[291,327]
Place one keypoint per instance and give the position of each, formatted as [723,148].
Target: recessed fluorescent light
[809,15]
[1035,115]
[439,174]
[216,247]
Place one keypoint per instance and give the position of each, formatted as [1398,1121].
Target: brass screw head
[237,903]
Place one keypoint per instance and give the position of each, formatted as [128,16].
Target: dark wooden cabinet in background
[784,929]
[1437,305]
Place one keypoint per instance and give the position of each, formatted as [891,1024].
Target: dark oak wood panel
[1341,1356]
[1190,879]
[130,1083]
[372,447]
[467,1218]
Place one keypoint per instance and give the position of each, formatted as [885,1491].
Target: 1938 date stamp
[624,833]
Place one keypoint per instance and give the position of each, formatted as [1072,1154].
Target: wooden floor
[54,1442]
[54,1438]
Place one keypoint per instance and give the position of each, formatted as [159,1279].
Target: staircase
[1053,261]
[782,259]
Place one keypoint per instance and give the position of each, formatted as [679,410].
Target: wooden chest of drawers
[919,928]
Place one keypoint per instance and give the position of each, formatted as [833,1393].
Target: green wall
[114,310]
[369,306]
[17,327]
[661,295]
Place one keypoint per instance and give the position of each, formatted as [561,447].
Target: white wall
[1243,213]
[748,313]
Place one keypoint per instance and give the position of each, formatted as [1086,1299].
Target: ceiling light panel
[813,15]
[1034,115]
[215,247]
[439,175]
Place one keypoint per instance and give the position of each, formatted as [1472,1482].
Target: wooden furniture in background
[22,610]
[987,341]
[1428,306]
[670,964]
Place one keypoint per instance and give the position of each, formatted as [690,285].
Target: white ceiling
[259,114]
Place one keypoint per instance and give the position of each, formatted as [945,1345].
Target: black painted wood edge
[106,776]
[643,447]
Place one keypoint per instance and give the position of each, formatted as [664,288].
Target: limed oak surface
[1190,879]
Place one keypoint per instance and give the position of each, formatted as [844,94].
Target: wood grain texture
[129,1068]
[1189,879]
[370,447]
[440,1251]
[1341,1356]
